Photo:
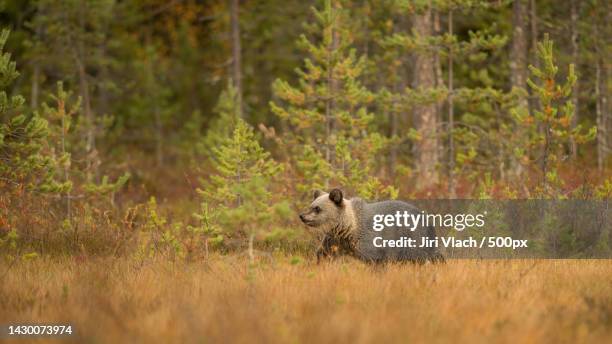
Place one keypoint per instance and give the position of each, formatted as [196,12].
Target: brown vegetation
[291,300]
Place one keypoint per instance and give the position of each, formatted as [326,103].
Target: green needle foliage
[548,130]
[239,189]
[427,98]
[60,116]
[24,162]
[474,95]
[331,135]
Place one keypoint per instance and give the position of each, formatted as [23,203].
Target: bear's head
[326,209]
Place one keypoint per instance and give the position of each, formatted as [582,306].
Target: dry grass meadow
[289,301]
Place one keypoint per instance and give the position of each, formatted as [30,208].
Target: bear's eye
[317,209]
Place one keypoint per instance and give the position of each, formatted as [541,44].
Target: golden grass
[119,300]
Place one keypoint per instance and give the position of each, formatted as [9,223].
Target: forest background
[174,128]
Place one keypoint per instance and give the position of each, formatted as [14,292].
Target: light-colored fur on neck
[347,224]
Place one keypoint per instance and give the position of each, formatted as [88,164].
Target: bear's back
[366,234]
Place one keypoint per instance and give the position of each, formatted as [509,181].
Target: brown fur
[336,221]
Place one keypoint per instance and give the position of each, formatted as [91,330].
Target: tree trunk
[84,88]
[426,114]
[393,133]
[395,121]
[66,167]
[35,85]
[90,135]
[574,10]
[451,116]
[159,137]
[533,20]
[36,61]
[330,102]
[437,30]
[601,125]
[601,103]
[518,65]
[518,55]
[236,53]
[102,106]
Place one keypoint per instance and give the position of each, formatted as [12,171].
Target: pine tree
[61,145]
[27,170]
[478,103]
[463,58]
[60,120]
[239,189]
[25,163]
[72,41]
[331,136]
[546,147]
[385,72]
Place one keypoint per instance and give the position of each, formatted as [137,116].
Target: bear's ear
[336,196]
[316,194]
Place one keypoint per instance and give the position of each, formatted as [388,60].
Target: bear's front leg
[329,248]
[320,254]
[324,249]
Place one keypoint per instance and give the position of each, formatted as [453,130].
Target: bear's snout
[305,219]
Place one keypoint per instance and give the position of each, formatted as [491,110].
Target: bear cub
[347,225]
